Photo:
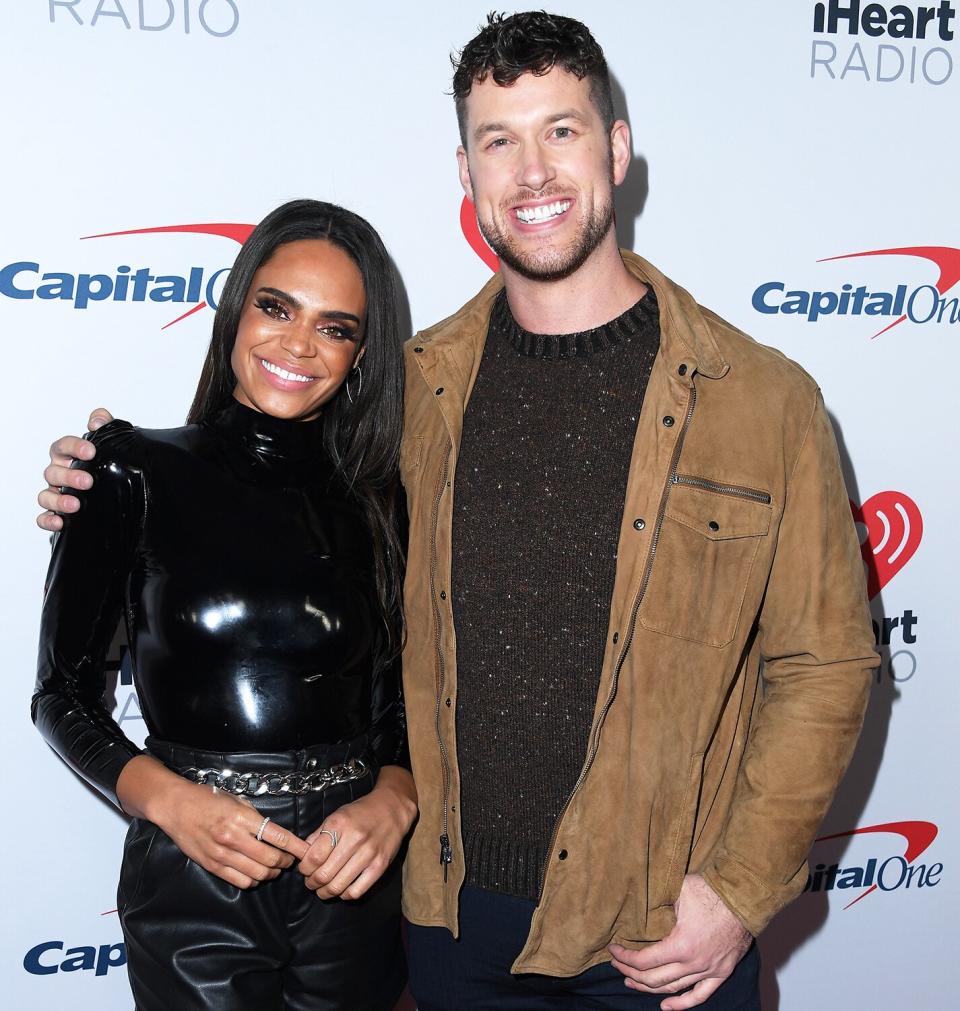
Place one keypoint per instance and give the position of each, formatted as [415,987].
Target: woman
[264,637]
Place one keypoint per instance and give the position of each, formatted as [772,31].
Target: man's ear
[620,150]
[464,169]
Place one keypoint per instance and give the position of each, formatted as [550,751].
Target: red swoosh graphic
[919,835]
[238,232]
[946,258]
[189,312]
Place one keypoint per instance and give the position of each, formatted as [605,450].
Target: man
[638,647]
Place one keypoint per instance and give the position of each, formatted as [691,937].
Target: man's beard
[550,264]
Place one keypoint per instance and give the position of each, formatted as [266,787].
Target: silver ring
[263,825]
[334,836]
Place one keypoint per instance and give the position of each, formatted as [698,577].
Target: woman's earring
[359,373]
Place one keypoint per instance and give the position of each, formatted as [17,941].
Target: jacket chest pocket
[708,542]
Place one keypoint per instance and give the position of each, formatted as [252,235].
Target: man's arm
[817,647]
[60,475]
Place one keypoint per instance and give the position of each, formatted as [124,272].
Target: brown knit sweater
[540,485]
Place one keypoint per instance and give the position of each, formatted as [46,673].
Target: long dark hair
[362,437]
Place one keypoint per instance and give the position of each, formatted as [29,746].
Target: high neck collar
[272,440]
[638,318]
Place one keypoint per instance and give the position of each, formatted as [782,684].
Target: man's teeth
[283,374]
[544,212]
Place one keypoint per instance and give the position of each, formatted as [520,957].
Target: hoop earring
[359,373]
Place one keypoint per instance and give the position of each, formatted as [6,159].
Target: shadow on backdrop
[631,196]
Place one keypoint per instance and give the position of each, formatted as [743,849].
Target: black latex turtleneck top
[245,578]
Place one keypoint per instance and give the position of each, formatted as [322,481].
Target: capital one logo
[921,304]
[887,869]
[892,528]
[26,279]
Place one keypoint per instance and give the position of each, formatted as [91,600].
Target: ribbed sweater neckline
[573,345]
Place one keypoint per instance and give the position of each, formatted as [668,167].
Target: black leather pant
[195,942]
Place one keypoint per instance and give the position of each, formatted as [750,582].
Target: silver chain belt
[277,784]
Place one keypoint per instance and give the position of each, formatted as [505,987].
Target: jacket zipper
[631,628]
[446,851]
[734,490]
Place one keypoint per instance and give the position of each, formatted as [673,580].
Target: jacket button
[439,390]
[616,637]
[639,524]
[449,703]
[419,351]
[443,594]
[562,854]
[668,421]
[714,525]
[682,370]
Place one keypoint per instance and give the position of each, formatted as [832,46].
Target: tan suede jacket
[738,659]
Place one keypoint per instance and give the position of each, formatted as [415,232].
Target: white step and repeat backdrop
[795,168]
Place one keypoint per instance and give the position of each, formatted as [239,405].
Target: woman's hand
[214,829]
[370,831]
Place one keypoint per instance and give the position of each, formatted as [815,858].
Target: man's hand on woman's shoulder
[54,499]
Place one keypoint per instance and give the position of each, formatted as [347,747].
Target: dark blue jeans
[473,973]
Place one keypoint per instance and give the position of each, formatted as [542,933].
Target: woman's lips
[283,378]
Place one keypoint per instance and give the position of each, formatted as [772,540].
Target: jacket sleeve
[816,643]
[92,559]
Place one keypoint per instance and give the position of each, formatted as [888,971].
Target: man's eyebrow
[567,114]
[495,127]
[297,304]
[484,128]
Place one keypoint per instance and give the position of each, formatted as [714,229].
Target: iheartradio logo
[891,529]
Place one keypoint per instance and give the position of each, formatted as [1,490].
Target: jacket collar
[685,337]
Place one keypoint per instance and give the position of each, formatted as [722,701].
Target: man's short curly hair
[532,42]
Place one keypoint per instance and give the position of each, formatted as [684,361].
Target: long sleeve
[86,582]
[817,648]
[388,729]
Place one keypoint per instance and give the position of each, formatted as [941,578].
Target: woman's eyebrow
[286,296]
[297,304]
